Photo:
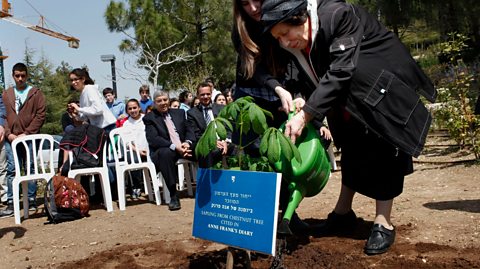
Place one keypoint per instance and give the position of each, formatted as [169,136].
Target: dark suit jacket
[196,122]
[157,132]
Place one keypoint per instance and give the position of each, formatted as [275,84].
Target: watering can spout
[305,179]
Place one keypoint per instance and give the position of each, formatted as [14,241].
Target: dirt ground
[437,220]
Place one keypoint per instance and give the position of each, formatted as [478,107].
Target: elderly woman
[363,78]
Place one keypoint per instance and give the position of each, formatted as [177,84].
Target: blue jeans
[32,185]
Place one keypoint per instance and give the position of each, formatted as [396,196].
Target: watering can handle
[291,113]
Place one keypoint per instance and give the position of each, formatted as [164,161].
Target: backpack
[65,199]
[86,143]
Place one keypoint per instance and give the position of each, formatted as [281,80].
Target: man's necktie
[207,116]
[171,131]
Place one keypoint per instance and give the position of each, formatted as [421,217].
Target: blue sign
[237,208]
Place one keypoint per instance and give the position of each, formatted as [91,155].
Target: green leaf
[264,141]
[259,122]
[285,146]
[245,122]
[273,153]
[221,131]
[226,123]
[296,152]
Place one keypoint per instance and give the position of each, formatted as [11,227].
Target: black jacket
[360,66]
[196,122]
[157,132]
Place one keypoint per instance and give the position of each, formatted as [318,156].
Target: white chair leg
[156,187]
[16,202]
[121,188]
[25,199]
[107,193]
[147,190]
[181,177]
[147,184]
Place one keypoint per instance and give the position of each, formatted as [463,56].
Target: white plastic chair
[128,159]
[91,171]
[187,172]
[41,170]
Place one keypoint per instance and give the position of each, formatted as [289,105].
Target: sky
[81,19]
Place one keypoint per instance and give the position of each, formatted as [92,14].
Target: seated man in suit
[198,118]
[168,140]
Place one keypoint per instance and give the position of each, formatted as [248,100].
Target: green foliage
[247,117]
[454,48]
[458,95]
[153,26]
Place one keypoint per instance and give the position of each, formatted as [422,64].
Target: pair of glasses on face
[74,79]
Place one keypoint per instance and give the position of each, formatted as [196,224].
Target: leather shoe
[174,204]
[297,225]
[337,224]
[380,240]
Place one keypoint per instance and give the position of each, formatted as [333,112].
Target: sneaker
[8,212]
[137,192]
[32,205]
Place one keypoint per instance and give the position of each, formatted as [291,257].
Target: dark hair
[108,90]
[297,18]
[21,67]
[204,84]
[192,104]
[133,100]
[83,73]
[210,80]
[183,96]
[216,97]
[144,88]
[174,100]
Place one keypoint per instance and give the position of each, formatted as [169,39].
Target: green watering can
[305,179]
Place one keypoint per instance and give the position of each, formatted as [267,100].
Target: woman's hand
[286,98]
[299,103]
[295,125]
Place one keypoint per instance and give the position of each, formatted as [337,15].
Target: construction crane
[6,15]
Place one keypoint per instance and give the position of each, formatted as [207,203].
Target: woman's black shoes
[380,240]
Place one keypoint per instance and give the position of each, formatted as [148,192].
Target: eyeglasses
[20,76]
[74,79]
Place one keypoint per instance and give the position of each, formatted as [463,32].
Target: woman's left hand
[294,126]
